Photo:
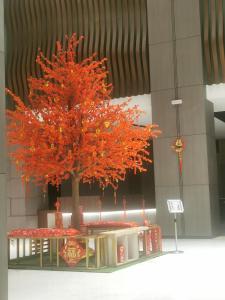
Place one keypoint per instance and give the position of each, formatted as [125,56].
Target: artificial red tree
[71,128]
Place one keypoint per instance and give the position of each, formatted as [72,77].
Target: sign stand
[175,206]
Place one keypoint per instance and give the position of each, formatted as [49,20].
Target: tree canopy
[70,126]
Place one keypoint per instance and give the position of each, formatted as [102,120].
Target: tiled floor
[197,274]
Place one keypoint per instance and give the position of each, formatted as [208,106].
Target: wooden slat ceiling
[213,25]
[116,29]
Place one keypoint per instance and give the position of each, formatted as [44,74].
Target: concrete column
[3,198]
[196,116]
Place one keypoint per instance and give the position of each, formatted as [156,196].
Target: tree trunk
[75,220]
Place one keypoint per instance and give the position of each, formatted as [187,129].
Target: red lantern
[178,146]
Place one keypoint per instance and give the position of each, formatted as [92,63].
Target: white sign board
[175,206]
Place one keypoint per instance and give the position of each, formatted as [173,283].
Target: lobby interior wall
[184,71]
[3,198]
[22,202]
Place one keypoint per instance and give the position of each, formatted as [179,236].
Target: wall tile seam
[189,37]
[185,185]
[16,197]
[179,86]
[172,88]
[163,90]
[211,135]
[17,200]
[171,40]
[182,135]
[22,216]
[160,43]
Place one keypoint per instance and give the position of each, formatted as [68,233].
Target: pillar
[178,73]
[3,210]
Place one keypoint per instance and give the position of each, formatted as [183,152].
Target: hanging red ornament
[178,146]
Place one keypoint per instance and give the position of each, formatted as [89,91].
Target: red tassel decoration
[180,163]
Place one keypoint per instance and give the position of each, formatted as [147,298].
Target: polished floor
[197,274]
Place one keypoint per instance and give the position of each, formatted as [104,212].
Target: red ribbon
[180,162]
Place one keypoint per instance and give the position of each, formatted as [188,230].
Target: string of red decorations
[112,224]
[42,232]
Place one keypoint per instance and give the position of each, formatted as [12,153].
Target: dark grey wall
[178,67]
[3,210]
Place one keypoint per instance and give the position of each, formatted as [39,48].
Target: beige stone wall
[22,209]
[177,73]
